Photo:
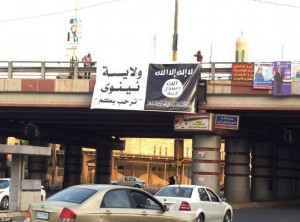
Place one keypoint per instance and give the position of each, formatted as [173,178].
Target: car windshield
[73,195]
[4,184]
[184,192]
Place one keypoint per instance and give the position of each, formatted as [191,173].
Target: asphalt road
[286,212]
[268,214]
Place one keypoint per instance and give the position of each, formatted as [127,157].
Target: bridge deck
[61,107]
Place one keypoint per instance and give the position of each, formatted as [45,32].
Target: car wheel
[200,218]
[4,203]
[137,186]
[227,217]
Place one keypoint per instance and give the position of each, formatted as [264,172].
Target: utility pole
[175,35]
[76,16]
[174,47]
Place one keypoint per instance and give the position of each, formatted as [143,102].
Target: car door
[205,204]
[116,206]
[149,209]
[131,181]
[216,205]
[126,181]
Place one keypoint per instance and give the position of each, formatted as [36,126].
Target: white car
[4,193]
[199,201]
[129,181]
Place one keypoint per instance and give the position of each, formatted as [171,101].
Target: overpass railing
[44,69]
[76,70]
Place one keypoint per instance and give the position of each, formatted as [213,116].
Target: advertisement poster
[193,122]
[172,87]
[282,78]
[263,76]
[296,71]
[74,33]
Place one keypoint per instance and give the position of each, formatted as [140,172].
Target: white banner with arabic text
[121,88]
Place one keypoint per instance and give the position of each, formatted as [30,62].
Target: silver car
[199,201]
[129,181]
[103,202]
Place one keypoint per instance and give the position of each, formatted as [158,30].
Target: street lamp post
[175,35]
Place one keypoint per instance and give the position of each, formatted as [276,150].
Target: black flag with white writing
[172,87]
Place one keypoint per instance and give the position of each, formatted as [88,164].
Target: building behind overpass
[152,160]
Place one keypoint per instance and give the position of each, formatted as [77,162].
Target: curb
[264,204]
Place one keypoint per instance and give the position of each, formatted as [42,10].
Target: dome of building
[241,42]
[241,49]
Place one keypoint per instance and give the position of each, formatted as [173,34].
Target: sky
[122,31]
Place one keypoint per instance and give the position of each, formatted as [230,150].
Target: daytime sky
[132,30]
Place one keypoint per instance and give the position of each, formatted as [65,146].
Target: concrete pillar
[103,166]
[284,175]
[4,169]
[262,171]
[73,165]
[15,183]
[38,165]
[237,170]
[206,161]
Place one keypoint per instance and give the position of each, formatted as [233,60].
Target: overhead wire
[59,12]
[275,3]
[111,1]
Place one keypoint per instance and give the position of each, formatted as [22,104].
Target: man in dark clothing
[278,77]
[171,180]
[199,56]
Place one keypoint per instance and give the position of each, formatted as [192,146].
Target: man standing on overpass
[199,56]
[87,59]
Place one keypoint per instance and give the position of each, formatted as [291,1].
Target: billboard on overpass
[194,122]
[155,87]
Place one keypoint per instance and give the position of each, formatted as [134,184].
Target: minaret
[241,52]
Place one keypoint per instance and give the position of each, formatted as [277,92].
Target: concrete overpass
[40,94]
[42,103]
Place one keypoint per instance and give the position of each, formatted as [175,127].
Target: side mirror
[164,208]
[223,199]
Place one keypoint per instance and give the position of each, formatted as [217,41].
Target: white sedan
[129,181]
[199,201]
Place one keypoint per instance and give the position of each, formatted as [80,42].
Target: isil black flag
[172,87]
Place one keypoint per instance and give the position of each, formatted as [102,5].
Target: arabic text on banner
[193,122]
[172,87]
[242,71]
[227,122]
[120,88]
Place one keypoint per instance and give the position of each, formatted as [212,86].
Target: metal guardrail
[44,69]
[67,69]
